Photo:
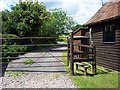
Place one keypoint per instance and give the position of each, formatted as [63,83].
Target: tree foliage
[78,26]
[59,23]
[28,19]
[25,19]
[32,19]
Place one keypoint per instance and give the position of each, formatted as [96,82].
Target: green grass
[15,74]
[29,61]
[97,81]
[104,78]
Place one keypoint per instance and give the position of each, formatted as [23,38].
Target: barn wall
[78,33]
[107,55]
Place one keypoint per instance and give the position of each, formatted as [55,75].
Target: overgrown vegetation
[14,48]
[105,78]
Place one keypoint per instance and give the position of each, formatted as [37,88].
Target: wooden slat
[108,60]
[39,45]
[81,64]
[82,45]
[114,67]
[82,52]
[29,38]
[110,54]
[30,57]
[80,37]
[82,60]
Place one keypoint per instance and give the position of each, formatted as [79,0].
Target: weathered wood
[94,62]
[85,69]
[71,54]
[83,65]
[80,37]
[76,66]
[82,45]
[82,59]
[80,64]
[39,45]
[68,51]
[77,52]
[84,50]
[114,67]
[107,55]
[29,57]
[30,38]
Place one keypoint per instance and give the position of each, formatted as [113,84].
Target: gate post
[68,51]
[71,54]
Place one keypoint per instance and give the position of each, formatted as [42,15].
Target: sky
[80,10]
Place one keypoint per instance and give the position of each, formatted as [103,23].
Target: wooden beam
[71,54]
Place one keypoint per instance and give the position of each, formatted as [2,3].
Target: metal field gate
[33,56]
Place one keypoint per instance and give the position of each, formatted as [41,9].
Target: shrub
[7,49]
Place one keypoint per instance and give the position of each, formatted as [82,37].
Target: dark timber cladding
[107,53]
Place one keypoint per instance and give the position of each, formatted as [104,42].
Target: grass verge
[104,78]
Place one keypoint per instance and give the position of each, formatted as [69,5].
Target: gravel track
[34,80]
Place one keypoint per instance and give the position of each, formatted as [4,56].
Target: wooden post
[68,51]
[94,69]
[76,66]
[85,70]
[71,54]
[79,48]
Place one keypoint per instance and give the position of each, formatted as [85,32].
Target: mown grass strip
[105,78]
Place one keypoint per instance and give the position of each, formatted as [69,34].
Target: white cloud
[80,10]
[86,11]
[5,4]
[2,5]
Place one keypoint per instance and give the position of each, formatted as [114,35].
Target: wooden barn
[80,32]
[105,25]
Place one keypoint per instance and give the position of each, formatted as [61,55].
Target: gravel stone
[35,80]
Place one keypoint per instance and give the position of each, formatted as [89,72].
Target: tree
[25,19]
[77,26]
[59,23]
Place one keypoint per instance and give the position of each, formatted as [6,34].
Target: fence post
[68,51]
[94,62]
[71,54]
[95,67]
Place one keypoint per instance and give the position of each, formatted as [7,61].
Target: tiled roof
[110,10]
